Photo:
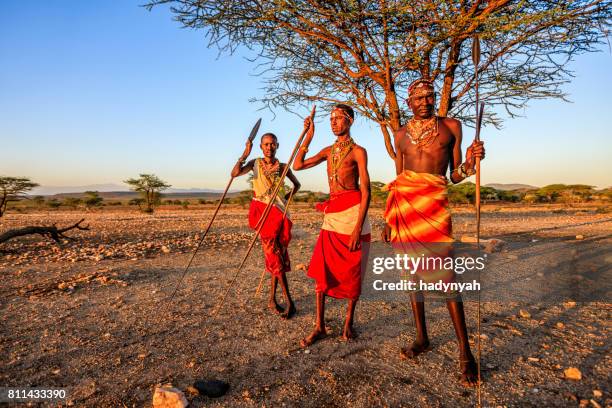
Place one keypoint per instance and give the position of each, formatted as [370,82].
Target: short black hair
[346,108]
[272,135]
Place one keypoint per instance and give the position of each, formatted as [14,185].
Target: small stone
[169,397]
[583,403]
[569,304]
[484,337]
[524,314]
[533,359]
[572,396]
[560,325]
[595,403]
[306,351]
[572,373]
[579,237]
[300,267]
[494,245]
[597,393]
[165,249]
[192,391]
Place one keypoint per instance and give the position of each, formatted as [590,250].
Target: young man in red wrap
[276,232]
[340,255]
[417,216]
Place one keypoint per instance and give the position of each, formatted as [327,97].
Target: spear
[250,138]
[263,217]
[479,111]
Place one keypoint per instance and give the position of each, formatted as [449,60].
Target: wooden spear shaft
[479,110]
[479,351]
[212,219]
[263,217]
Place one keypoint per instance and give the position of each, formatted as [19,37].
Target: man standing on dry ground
[276,231]
[340,255]
[417,216]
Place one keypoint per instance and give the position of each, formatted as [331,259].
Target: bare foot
[348,334]
[416,348]
[275,307]
[469,372]
[289,312]
[316,335]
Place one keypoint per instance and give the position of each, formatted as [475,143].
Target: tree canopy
[150,187]
[13,189]
[365,52]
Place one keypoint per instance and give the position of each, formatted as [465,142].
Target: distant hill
[51,190]
[506,187]
[128,195]
[115,189]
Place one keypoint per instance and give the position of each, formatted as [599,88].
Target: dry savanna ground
[93,315]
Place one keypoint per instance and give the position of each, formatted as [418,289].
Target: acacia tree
[13,189]
[365,52]
[150,187]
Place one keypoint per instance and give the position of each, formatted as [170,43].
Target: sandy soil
[93,316]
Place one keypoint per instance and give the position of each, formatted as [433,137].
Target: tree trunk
[449,78]
[51,231]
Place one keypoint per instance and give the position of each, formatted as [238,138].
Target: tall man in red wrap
[417,216]
[276,232]
[340,255]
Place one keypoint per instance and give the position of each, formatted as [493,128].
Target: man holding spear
[275,233]
[416,215]
[339,258]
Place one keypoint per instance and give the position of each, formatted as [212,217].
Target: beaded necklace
[339,152]
[271,171]
[423,132]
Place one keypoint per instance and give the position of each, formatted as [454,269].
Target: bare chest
[439,143]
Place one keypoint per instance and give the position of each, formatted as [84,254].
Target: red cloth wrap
[275,236]
[337,271]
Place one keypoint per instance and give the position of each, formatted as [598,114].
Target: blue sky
[99,91]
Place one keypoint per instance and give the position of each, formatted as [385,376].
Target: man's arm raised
[240,168]
[301,163]
[361,157]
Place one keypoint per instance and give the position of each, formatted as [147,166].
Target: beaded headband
[420,87]
[344,113]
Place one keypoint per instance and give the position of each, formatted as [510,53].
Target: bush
[72,202]
[54,203]
[93,199]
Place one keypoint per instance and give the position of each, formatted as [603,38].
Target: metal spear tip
[476,50]
[254,130]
